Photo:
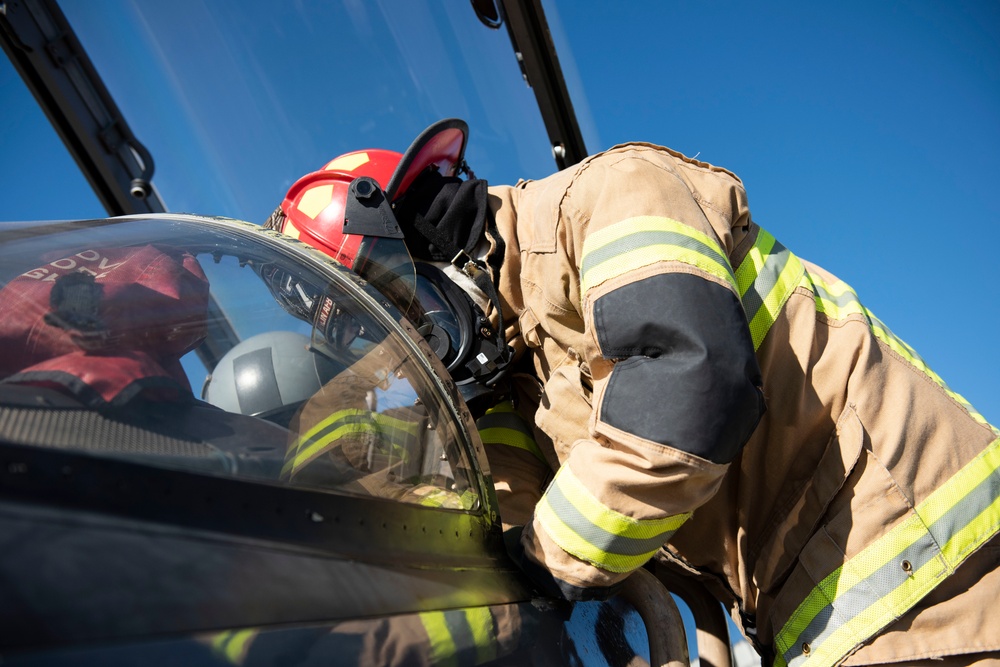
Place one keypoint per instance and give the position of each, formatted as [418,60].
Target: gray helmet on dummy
[268,376]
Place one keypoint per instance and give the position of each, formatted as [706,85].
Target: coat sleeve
[517,466]
[676,384]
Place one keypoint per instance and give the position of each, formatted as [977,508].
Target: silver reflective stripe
[597,536]
[753,295]
[889,576]
[844,300]
[847,304]
[855,601]
[963,513]
[766,278]
[461,635]
[634,240]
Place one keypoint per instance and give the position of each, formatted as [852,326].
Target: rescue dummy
[704,397]
[90,358]
[105,324]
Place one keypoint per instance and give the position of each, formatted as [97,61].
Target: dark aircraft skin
[141,524]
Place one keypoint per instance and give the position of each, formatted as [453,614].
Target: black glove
[548,585]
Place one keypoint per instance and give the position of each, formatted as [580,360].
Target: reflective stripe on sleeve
[897,345]
[397,435]
[637,242]
[442,645]
[890,575]
[582,526]
[484,633]
[430,496]
[836,300]
[461,637]
[766,277]
[234,644]
[502,425]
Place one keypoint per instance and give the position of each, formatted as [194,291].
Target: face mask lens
[436,311]
[387,265]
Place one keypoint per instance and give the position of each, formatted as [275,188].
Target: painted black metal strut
[47,54]
[536,55]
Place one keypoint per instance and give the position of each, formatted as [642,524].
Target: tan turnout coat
[862,510]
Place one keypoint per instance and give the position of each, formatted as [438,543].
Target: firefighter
[704,397]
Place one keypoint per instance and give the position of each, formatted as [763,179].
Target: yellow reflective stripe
[303,455]
[484,633]
[326,433]
[582,526]
[879,612]
[511,438]
[766,277]
[853,602]
[396,424]
[503,407]
[637,242]
[945,499]
[400,435]
[334,417]
[460,636]
[838,301]
[435,498]
[220,640]
[469,499]
[341,415]
[442,646]
[440,498]
[502,425]
[897,345]
[234,644]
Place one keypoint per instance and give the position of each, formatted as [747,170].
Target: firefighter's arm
[517,465]
[333,434]
[676,385]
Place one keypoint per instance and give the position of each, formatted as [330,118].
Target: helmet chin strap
[462,279]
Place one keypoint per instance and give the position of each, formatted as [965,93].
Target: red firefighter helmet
[314,206]
[345,208]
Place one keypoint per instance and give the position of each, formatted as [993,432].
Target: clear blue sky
[867,133]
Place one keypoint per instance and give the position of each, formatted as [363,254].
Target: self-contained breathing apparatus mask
[462,337]
[425,213]
[450,321]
